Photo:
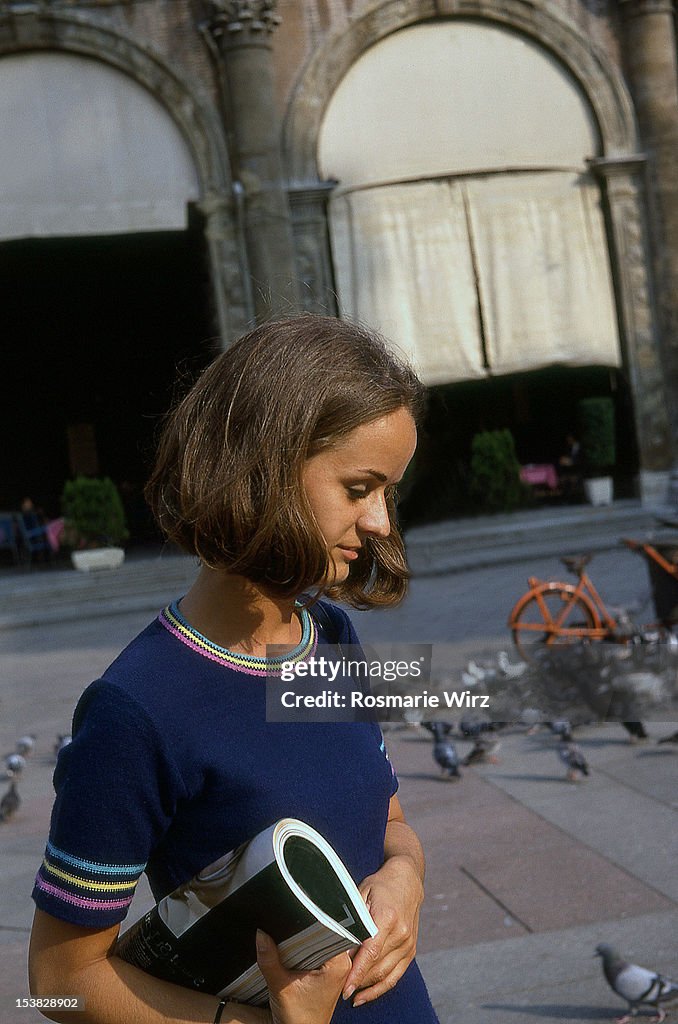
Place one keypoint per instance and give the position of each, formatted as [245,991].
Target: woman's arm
[68,960]
[394,895]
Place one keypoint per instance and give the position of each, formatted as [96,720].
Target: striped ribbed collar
[172,619]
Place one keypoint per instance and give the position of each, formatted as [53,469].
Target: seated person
[569,467]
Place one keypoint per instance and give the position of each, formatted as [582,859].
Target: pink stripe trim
[79,901]
[213,657]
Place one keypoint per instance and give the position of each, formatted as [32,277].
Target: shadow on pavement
[526,778]
[554,1011]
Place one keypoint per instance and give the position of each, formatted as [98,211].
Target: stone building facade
[240,99]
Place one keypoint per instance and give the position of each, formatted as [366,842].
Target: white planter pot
[97,558]
[599,490]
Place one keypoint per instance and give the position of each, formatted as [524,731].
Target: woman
[277,470]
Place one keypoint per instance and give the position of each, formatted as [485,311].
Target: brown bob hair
[227,484]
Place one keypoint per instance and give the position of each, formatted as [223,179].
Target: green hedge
[596,433]
[94,512]
[495,472]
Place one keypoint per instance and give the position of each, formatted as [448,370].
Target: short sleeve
[116,794]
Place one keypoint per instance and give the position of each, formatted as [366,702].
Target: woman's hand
[394,895]
[300,997]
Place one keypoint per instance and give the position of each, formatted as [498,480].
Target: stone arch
[620,167]
[194,114]
[79,33]
[600,81]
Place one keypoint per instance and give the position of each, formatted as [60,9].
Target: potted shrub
[495,472]
[94,523]
[596,435]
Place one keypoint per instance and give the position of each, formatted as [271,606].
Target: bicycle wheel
[551,616]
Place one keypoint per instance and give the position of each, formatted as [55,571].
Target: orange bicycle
[554,612]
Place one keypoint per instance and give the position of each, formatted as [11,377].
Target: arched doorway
[105,279]
[465,224]
[620,170]
[467,227]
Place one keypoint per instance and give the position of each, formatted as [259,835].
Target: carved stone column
[241,33]
[228,264]
[308,203]
[623,186]
[650,58]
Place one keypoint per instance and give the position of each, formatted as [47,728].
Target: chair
[33,535]
[8,535]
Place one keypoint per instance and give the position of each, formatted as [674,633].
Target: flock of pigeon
[639,986]
[10,802]
[503,674]
[486,744]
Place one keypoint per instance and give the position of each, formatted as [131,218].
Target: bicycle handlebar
[650,552]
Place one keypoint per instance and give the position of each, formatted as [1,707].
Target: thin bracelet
[220,1010]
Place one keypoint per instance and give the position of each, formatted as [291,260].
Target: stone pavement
[526,872]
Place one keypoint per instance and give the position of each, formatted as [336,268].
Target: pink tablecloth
[54,530]
[539,474]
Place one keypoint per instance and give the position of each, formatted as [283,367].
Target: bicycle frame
[603,625]
[532,619]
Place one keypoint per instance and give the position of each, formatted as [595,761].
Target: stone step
[457,545]
[149,579]
[55,595]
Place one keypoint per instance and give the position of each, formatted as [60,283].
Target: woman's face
[346,485]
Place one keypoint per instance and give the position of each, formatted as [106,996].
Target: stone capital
[217,209]
[311,191]
[640,8]
[617,166]
[241,20]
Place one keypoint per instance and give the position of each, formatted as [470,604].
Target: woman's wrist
[229,1012]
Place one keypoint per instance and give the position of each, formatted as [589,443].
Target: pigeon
[571,756]
[531,718]
[61,742]
[10,802]
[445,754]
[673,738]
[476,670]
[14,765]
[637,985]
[473,725]
[511,671]
[562,728]
[439,728]
[636,731]
[25,744]
[483,751]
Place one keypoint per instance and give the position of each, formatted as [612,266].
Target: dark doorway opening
[540,410]
[97,331]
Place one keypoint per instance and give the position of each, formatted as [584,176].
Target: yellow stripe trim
[97,886]
[247,661]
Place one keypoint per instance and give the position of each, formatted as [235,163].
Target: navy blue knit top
[172,763]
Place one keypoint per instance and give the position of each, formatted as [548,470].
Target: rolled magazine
[287,881]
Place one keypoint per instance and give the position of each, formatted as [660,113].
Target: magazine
[288,881]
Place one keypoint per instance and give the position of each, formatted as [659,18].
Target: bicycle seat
[576,563]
